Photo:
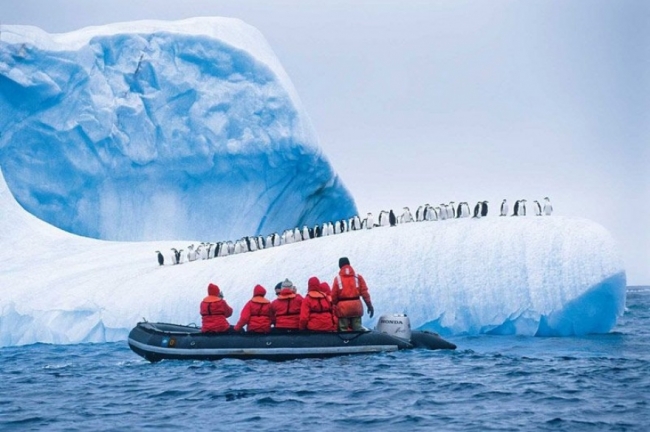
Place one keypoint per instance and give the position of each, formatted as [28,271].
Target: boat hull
[159,341]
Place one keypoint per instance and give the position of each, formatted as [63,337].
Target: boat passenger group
[321,309]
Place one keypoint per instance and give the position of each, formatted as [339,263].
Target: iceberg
[155,130]
[546,276]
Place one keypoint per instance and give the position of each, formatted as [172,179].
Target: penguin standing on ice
[392,220]
[176,256]
[484,208]
[548,208]
[161,258]
[451,210]
[504,208]
[383,218]
[515,209]
[522,207]
[538,208]
[477,209]
[369,221]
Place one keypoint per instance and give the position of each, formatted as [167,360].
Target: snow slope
[155,130]
[525,275]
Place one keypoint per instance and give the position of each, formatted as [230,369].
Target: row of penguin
[424,213]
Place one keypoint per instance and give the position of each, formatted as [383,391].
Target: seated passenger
[214,311]
[257,314]
[286,308]
[316,312]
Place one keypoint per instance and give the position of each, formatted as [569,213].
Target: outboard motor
[397,325]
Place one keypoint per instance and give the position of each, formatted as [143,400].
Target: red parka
[286,309]
[257,314]
[317,311]
[347,290]
[214,311]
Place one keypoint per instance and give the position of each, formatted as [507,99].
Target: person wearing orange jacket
[257,314]
[347,290]
[215,311]
[286,308]
[325,289]
[317,311]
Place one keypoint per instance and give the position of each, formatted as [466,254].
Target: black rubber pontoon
[158,341]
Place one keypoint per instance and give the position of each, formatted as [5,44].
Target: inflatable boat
[160,341]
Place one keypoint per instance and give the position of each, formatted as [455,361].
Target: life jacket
[214,312]
[260,315]
[317,313]
[286,309]
[347,290]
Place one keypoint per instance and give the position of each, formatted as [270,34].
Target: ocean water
[599,382]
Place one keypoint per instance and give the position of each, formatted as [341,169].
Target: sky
[431,102]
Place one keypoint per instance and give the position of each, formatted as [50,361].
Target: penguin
[522,208]
[369,221]
[217,249]
[419,216]
[484,208]
[538,208]
[357,222]
[297,235]
[463,210]
[305,233]
[161,258]
[317,232]
[175,256]
[191,253]
[515,209]
[311,233]
[392,220]
[548,208]
[451,210]
[406,216]
[436,214]
[442,212]
[383,218]
[426,214]
[504,208]
[477,209]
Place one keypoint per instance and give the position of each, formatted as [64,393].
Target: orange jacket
[214,311]
[257,314]
[286,309]
[347,290]
[317,313]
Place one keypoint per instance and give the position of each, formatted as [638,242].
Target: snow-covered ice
[157,130]
[511,275]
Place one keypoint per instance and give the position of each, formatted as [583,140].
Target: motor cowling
[397,325]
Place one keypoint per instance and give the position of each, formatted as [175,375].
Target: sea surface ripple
[599,382]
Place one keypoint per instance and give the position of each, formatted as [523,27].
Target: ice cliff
[160,130]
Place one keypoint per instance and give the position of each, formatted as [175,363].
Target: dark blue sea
[490,383]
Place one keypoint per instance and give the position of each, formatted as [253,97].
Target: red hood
[259,291]
[313,284]
[213,290]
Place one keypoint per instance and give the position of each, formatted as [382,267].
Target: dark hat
[278,286]
[343,261]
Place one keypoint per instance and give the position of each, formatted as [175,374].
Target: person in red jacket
[325,289]
[257,314]
[347,290]
[317,311]
[214,311]
[286,308]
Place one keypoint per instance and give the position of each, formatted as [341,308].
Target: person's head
[278,288]
[325,288]
[287,284]
[259,291]
[313,284]
[343,261]
[213,290]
